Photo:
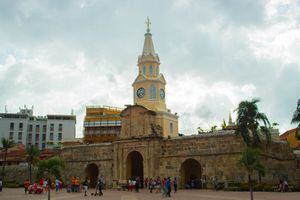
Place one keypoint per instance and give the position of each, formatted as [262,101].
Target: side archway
[190,174]
[135,165]
[92,172]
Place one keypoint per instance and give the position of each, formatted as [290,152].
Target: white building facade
[42,131]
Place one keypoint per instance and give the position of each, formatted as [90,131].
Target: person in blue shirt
[168,186]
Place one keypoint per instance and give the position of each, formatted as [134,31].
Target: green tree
[248,123]
[200,130]
[6,144]
[213,128]
[250,161]
[32,155]
[296,118]
[50,168]
[224,125]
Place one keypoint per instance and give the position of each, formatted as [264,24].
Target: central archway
[134,165]
[190,173]
[92,172]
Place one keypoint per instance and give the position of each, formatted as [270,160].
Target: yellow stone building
[101,124]
[291,137]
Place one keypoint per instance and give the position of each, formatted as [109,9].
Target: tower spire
[148,48]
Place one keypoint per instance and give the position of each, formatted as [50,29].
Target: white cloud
[199,103]
[214,54]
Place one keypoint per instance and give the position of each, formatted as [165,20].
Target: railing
[107,107]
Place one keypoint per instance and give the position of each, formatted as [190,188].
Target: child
[26,185]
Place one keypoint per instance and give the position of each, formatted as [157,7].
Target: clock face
[162,93]
[140,92]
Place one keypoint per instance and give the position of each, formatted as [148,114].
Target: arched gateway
[190,174]
[92,172]
[134,165]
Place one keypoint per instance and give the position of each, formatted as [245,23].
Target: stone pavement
[17,194]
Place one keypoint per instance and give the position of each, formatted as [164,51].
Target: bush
[11,184]
[243,187]
[269,188]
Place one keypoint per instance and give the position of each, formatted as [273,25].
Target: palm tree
[213,128]
[250,161]
[296,116]
[51,168]
[6,144]
[248,123]
[32,154]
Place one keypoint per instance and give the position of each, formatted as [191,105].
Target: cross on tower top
[148,23]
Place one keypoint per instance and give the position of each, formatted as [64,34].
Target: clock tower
[149,85]
[149,92]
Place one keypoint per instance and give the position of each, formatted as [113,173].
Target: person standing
[26,185]
[99,187]
[45,185]
[56,185]
[73,184]
[1,184]
[137,184]
[85,185]
[175,184]
[168,187]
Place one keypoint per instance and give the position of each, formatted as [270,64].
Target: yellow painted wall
[290,137]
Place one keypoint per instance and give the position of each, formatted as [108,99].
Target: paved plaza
[17,194]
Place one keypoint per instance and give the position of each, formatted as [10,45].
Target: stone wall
[78,158]
[18,173]
[217,155]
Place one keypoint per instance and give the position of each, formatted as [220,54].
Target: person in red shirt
[26,185]
[41,182]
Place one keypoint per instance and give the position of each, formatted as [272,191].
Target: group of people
[162,185]
[134,184]
[43,185]
[75,186]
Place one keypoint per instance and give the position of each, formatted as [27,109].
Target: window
[152,93]
[171,128]
[51,136]
[20,126]
[37,137]
[12,126]
[60,127]
[151,70]
[44,137]
[44,128]
[30,127]
[37,144]
[59,136]
[43,146]
[20,136]
[144,70]
[37,128]
[51,127]
[11,135]
[29,137]
[157,71]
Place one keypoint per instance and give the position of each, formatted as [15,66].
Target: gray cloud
[63,55]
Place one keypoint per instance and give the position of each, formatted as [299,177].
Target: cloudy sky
[64,55]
